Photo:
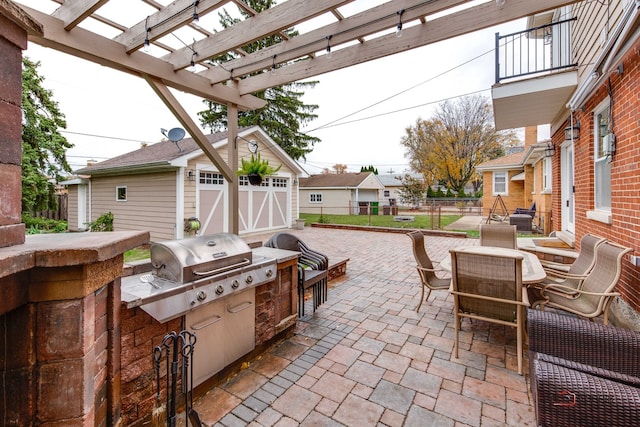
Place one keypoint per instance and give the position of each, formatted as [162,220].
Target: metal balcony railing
[539,50]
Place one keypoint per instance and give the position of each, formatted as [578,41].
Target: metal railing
[538,50]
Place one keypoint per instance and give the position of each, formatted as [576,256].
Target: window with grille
[213,178]
[315,198]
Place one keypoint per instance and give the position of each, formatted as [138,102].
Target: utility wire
[400,93]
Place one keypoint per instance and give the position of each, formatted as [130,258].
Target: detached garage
[168,187]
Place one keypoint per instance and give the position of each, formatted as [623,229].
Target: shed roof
[334,180]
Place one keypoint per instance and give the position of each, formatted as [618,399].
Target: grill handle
[208,322]
[242,263]
[238,308]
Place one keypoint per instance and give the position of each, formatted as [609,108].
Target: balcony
[535,75]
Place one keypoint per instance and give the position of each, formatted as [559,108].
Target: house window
[315,198]
[499,183]
[121,194]
[386,193]
[546,175]
[243,181]
[279,182]
[211,178]
[602,165]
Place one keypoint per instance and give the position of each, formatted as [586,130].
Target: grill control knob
[235,284]
[269,272]
[202,295]
[219,289]
[249,279]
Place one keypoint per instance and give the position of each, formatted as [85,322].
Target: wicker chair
[596,292]
[313,268]
[582,264]
[583,373]
[425,268]
[489,287]
[498,235]
[571,279]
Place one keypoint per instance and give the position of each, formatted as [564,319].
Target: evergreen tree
[284,113]
[43,147]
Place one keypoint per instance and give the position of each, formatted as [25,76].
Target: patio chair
[313,268]
[531,211]
[498,235]
[489,288]
[581,265]
[595,294]
[424,265]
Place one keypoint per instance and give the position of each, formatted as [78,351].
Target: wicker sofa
[583,373]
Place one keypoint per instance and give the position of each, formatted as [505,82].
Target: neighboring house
[392,183]
[589,94]
[521,179]
[341,194]
[158,187]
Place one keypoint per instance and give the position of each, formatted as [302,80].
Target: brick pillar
[15,25]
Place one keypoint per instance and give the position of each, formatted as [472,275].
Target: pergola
[139,37]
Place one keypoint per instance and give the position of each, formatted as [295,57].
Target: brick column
[15,25]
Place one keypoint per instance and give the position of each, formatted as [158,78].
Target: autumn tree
[449,146]
[412,190]
[43,147]
[284,114]
[340,168]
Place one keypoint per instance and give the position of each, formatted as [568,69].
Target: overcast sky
[110,113]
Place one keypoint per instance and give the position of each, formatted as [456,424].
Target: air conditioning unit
[609,144]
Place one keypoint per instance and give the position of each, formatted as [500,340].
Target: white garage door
[261,208]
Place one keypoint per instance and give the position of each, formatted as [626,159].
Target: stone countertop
[280,255]
[67,249]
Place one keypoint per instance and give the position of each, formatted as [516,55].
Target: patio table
[532,271]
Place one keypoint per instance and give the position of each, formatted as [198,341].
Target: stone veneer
[60,324]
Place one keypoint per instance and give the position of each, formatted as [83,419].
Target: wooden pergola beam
[282,16]
[101,50]
[348,29]
[456,24]
[73,12]
[164,21]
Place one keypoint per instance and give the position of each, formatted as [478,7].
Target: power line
[107,137]
[400,93]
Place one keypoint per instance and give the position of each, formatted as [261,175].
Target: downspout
[179,232]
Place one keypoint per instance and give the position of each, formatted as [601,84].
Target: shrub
[103,223]
[36,225]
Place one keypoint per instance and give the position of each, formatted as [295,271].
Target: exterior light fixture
[196,18]
[572,132]
[191,175]
[273,65]
[399,27]
[550,150]
[328,46]
[146,37]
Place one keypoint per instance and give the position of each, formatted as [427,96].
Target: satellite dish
[174,135]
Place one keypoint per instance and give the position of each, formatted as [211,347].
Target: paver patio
[367,358]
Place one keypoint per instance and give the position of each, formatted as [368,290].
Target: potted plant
[256,169]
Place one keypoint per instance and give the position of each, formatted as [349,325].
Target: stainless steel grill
[192,272]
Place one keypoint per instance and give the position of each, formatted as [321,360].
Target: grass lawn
[136,254]
[420,221]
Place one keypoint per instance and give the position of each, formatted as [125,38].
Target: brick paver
[366,358]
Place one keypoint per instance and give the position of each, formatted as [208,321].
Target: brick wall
[625,177]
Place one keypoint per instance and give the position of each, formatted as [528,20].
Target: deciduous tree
[285,113]
[449,146]
[43,147]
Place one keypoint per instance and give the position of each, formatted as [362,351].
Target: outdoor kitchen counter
[280,255]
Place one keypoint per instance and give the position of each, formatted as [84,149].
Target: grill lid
[186,260]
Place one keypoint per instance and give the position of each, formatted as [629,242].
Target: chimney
[91,162]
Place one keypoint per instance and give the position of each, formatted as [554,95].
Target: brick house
[521,179]
[590,97]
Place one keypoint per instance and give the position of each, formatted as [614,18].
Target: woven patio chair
[498,235]
[583,373]
[313,268]
[572,278]
[596,292]
[425,268]
[582,264]
[489,288]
